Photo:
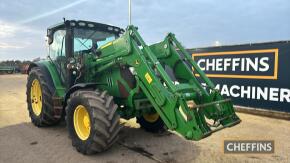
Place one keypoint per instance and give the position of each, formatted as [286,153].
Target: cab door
[57,53]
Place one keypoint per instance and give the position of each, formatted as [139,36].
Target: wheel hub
[151,117]
[82,124]
[36,97]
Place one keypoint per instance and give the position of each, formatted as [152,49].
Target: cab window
[89,39]
[57,47]
[82,44]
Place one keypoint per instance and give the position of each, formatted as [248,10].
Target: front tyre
[92,121]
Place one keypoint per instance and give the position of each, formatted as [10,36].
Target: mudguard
[51,76]
[46,73]
[77,87]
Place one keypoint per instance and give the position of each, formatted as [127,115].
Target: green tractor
[96,74]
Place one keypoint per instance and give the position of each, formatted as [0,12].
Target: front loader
[96,74]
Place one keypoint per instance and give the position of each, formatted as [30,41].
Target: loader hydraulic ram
[100,73]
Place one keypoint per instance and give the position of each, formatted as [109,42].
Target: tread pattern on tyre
[46,117]
[105,126]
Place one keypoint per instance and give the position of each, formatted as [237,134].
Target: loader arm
[184,103]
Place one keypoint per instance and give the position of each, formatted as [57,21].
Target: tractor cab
[69,40]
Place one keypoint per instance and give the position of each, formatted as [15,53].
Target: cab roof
[85,24]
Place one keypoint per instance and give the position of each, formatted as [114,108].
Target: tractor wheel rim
[36,97]
[82,124]
[151,117]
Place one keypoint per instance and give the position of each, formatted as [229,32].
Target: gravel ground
[20,141]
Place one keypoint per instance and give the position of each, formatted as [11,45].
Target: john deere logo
[249,64]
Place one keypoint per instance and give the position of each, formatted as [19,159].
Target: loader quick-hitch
[97,73]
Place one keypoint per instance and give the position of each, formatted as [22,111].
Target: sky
[196,23]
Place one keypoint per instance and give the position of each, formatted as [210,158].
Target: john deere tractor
[96,74]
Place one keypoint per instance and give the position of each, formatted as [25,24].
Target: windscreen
[87,39]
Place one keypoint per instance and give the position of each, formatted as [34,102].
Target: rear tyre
[151,123]
[92,121]
[39,99]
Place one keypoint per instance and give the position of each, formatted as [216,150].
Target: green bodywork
[60,89]
[157,78]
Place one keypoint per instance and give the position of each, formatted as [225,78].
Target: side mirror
[49,40]
[49,37]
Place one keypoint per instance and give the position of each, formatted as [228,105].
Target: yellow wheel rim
[36,97]
[82,122]
[151,117]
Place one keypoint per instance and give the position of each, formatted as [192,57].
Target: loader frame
[168,99]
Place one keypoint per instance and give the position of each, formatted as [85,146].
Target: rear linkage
[185,105]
